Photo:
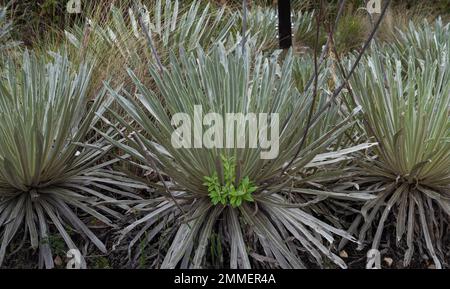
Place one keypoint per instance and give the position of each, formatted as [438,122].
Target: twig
[316,76]
[149,158]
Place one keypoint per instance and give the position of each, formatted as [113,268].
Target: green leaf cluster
[229,192]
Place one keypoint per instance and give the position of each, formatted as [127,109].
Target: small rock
[58,261]
[343,254]
[432,266]
[388,261]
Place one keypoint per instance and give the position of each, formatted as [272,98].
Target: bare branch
[149,158]
[148,37]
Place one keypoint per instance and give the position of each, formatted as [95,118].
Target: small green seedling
[228,192]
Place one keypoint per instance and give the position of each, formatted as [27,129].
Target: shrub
[117,39]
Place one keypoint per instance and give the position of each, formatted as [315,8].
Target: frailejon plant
[232,190]
[407,111]
[181,206]
[169,24]
[425,37]
[50,175]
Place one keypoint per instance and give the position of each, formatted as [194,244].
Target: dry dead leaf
[388,261]
[343,254]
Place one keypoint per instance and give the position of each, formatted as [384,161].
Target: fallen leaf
[343,254]
[58,261]
[388,261]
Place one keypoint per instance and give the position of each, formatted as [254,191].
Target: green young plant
[242,193]
[51,177]
[406,109]
[230,192]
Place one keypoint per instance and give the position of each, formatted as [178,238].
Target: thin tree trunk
[284,24]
